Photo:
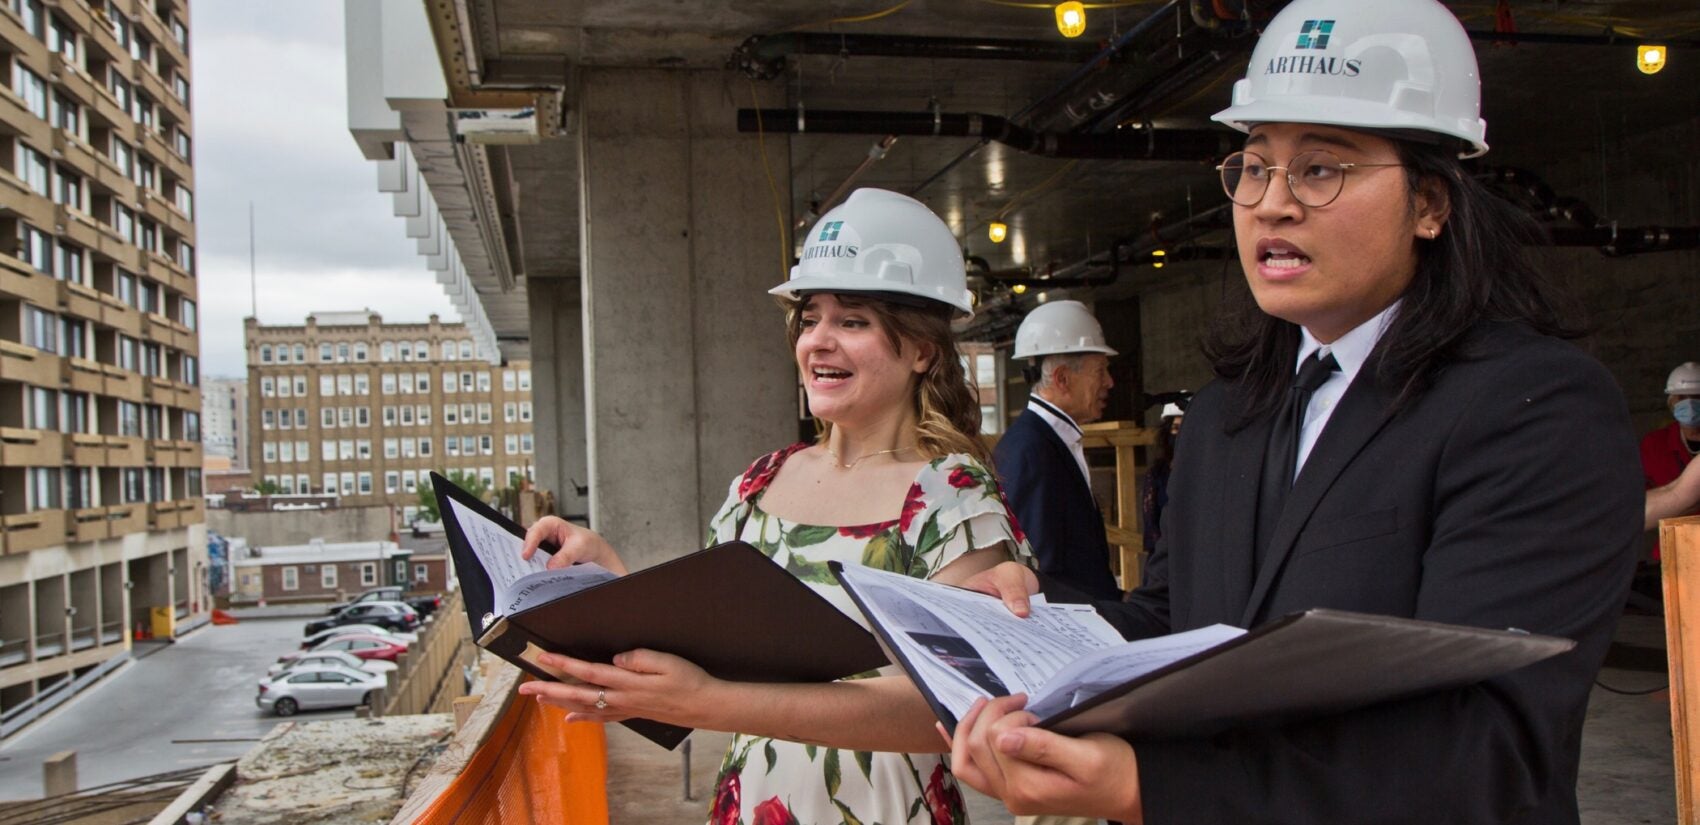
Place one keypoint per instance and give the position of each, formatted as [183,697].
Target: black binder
[1302,665]
[729,609]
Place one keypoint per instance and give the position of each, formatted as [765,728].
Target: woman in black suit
[1398,427]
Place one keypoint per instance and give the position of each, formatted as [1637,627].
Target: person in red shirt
[1668,449]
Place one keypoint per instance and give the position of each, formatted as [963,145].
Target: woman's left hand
[641,683]
[998,752]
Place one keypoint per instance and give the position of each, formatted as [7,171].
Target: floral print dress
[953,507]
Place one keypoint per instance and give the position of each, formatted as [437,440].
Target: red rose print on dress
[726,802]
[773,812]
[944,799]
[865,531]
[961,479]
[913,504]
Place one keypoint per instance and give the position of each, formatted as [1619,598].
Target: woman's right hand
[577,544]
[1010,581]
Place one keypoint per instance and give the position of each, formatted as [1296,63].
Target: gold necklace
[852,465]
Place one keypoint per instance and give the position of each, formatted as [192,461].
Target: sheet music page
[497,549]
[537,588]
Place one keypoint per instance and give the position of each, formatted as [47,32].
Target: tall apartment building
[101,521]
[224,419]
[349,404]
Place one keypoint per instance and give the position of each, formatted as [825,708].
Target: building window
[29,86]
[365,481]
[41,329]
[31,167]
[267,387]
[35,248]
[69,192]
[362,384]
[421,351]
[191,318]
[421,574]
[525,410]
[386,352]
[29,11]
[368,573]
[510,444]
[291,578]
[424,448]
[409,481]
[448,350]
[324,353]
[265,353]
[301,418]
[392,481]
[466,350]
[360,352]
[327,576]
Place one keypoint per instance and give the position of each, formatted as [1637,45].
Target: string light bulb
[1019,289]
[1650,58]
[1071,18]
[997,231]
[1157,258]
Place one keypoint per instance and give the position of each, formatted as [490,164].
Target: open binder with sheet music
[1080,676]
[728,608]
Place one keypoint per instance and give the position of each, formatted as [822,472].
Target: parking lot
[179,705]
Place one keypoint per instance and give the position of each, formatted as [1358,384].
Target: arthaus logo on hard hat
[829,232]
[1313,34]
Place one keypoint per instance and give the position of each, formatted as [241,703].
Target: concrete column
[687,372]
[557,389]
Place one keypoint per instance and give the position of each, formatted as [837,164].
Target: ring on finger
[601,698]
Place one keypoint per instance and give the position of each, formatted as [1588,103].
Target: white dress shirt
[1350,351]
[1066,430]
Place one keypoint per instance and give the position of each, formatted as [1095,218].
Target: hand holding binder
[702,607]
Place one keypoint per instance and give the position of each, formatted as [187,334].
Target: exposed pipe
[1612,38]
[1078,76]
[876,153]
[763,56]
[1127,144]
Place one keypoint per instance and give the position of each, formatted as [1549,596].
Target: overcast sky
[271,127]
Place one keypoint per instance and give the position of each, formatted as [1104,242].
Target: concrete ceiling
[1543,102]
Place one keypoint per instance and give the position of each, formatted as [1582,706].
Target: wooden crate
[1124,528]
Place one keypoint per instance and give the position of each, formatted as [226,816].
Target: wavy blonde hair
[947,412]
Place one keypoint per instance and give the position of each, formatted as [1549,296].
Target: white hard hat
[1684,380]
[1058,328]
[882,242]
[1172,410]
[1380,65]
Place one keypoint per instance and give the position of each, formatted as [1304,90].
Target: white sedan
[317,687]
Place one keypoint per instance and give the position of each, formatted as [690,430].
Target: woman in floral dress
[897,480]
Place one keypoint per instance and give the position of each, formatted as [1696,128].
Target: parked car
[425,603]
[315,639]
[391,615]
[331,657]
[362,645]
[323,686]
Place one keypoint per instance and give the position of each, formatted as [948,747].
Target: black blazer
[1054,506]
[1508,495]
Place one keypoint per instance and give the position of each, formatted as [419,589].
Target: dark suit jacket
[1508,495]
[1054,506]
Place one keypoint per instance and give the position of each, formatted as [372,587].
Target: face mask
[1687,412]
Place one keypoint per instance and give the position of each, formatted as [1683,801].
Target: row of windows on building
[67,411]
[65,114]
[389,383]
[396,482]
[79,488]
[67,261]
[393,416]
[73,47]
[77,338]
[360,449]
[291,575]
[360,352]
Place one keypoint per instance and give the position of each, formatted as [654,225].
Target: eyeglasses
[1315,178]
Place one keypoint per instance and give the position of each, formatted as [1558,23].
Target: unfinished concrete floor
[1628,777]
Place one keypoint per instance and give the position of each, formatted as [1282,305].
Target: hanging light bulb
[1157,258]
[1019,289]
[1650,59]
[1071,18]
[997,231]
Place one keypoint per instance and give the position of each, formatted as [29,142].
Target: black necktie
[1281,459]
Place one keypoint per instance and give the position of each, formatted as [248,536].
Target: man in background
[1668,449]
[1040,463]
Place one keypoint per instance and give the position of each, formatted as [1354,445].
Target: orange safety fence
[533,767]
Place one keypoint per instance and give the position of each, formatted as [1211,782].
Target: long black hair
[1478,269]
